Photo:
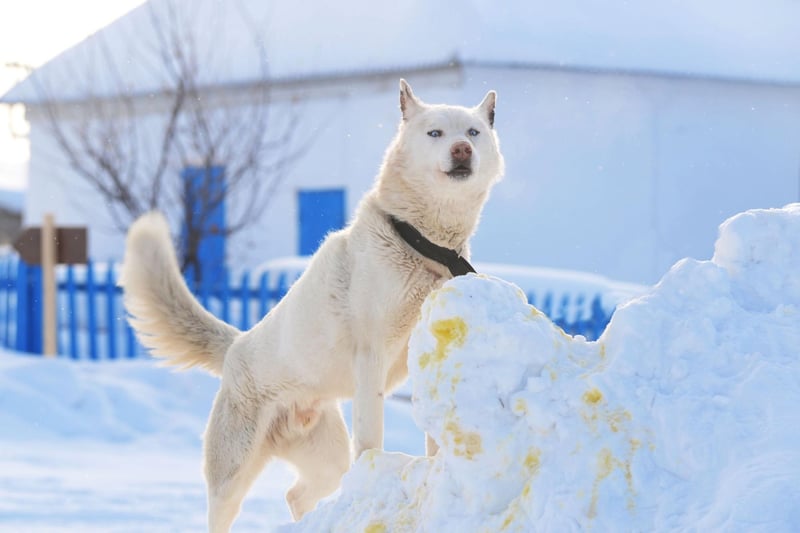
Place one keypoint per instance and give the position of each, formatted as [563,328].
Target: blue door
[204,190]
[320,212]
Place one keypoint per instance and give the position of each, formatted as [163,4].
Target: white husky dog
[341,331]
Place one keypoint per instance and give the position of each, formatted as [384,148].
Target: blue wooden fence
[92,323]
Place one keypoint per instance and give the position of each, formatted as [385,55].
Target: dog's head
[445,148]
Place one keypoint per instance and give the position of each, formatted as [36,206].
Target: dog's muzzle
[461,157]
[460,172]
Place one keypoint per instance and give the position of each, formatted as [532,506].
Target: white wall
[614,174]
[345,137]
[53,186]
[624,175]
[351,126]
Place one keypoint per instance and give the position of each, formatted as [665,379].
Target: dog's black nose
[461,151]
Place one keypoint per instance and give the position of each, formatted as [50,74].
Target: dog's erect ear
[487,107]
[409,104]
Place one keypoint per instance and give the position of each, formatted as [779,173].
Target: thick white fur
[342,330]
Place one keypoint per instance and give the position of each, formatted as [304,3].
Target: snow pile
[684,415]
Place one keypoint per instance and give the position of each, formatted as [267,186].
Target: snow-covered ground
[114,446]
[683,416]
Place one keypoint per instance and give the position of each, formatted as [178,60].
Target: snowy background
[650,124]
[681,417]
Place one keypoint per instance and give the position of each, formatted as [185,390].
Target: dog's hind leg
[321,457]
[235,453]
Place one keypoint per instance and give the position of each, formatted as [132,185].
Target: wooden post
[49,286]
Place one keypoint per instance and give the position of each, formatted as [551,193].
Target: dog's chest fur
[408,279]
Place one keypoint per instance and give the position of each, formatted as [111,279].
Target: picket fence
[92,323]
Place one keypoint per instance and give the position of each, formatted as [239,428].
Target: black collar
[450,258]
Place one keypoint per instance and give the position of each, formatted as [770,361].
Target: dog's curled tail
[168,320]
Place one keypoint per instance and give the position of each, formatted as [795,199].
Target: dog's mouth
[460,172]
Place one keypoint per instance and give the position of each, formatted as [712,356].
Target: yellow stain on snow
[564,335]
[369,455]
[615,419]
[454,381]
[424,360]
[592,396]
[606,464]
[521,295]
[406,516]
[533,461]
[449,331]
[601,363]
[375,527]
[465,443]
[511,514]
[520,406]
[598,416]
[634,445]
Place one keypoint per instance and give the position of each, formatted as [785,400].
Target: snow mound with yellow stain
[684,415]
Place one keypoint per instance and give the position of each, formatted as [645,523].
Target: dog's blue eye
[473,132]
[435,133]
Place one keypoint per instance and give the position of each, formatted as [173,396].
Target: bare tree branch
[107,144]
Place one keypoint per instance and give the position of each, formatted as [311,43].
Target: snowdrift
[60,400]
[683,415]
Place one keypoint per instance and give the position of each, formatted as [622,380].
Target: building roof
[756,41]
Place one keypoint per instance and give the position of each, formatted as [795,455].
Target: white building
[629,131]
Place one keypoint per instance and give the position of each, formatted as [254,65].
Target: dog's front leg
[368,402]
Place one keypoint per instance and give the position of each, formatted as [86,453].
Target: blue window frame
[320,212]
[204,189]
